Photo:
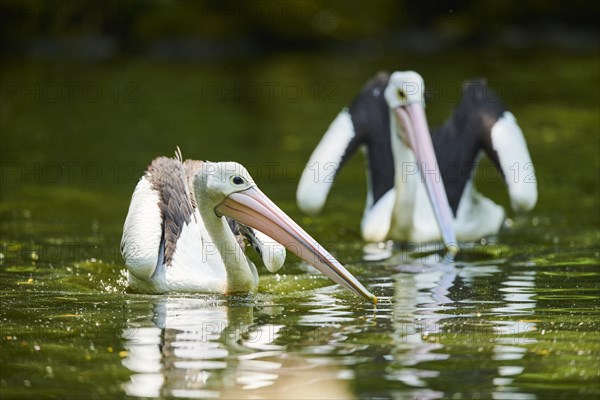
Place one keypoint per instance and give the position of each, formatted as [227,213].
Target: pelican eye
[402,95]
[237,180]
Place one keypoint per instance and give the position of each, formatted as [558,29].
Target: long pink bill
[253,208]
[412,118]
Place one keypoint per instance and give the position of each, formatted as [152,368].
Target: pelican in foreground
[420,186]
[176,235]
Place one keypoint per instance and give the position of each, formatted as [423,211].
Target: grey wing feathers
[167,177]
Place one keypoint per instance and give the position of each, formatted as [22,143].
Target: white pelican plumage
[176,236]
[420,186]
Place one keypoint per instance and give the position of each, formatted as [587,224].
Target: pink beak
[253,208]
[412,118]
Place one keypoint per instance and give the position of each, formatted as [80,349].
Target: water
[516,317]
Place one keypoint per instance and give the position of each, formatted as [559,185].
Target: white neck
[239,274]
[407,178]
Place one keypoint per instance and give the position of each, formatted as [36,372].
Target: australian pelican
[420,186]
[176,235]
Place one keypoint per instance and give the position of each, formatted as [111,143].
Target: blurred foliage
[280,24]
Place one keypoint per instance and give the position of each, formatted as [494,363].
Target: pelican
[176,236]
[420,186]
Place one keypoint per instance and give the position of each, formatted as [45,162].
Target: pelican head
[404,88]
[230,191]
[219,180]
[405,97]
